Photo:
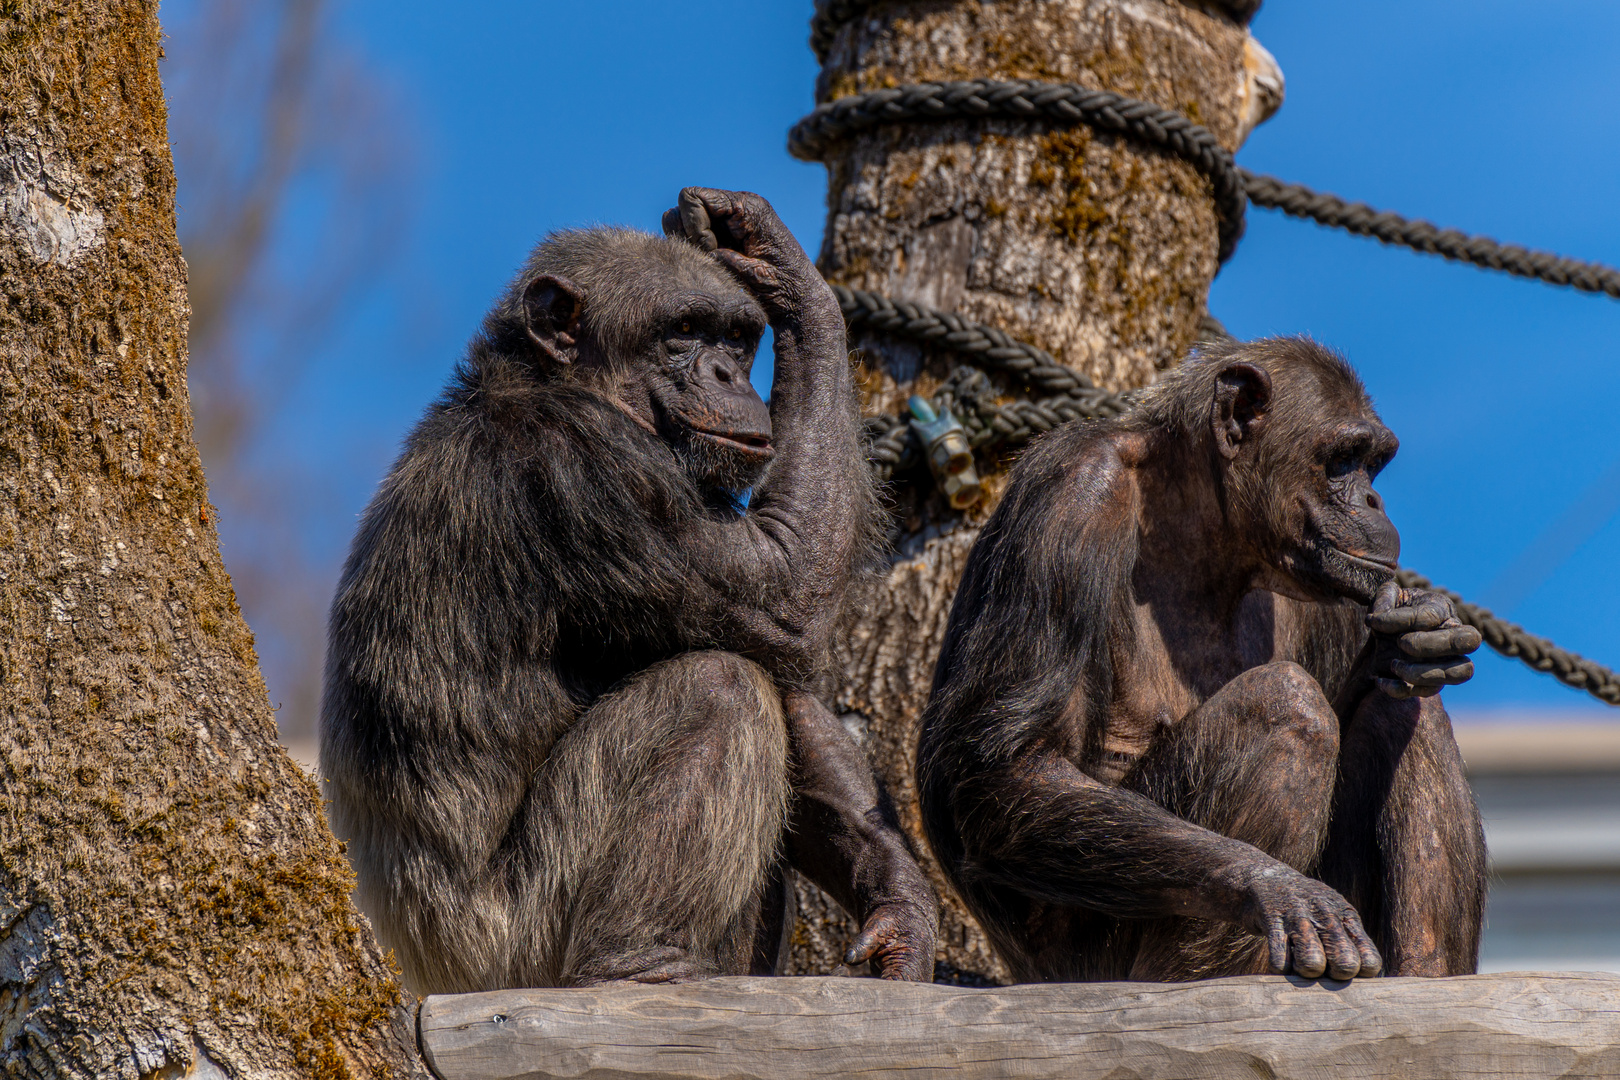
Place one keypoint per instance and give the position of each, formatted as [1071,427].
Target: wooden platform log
[1520,1025]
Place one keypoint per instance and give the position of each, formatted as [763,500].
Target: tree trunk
[1097,248]
[171,900]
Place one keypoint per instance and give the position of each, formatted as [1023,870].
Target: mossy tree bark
[171,901]
[1097,248]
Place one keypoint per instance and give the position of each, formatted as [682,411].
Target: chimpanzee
[1162,743]
[567,716]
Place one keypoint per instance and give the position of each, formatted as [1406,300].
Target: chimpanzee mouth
[750,444]
[1377,565]
[1355,576]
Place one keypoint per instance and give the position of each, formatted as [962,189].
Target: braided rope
[1299,201]
[1029,99]
[900,318]
[893,448]
[1511,639]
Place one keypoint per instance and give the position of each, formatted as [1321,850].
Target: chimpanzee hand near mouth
[1420,643]
[743,232]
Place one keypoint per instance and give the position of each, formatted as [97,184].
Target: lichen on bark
[1094,247]
[171,899]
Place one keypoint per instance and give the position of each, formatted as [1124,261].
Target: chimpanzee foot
[659,964]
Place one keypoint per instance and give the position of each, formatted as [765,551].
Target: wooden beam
[1521,1025]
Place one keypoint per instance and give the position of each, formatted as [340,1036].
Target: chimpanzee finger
[1423,611]
[1396,689]
[694,218]
[1277,947]
[1446,641]
[1443,671]
[871,938]
[1306,945]
[1386,598]
[1371,962]
[756,272]
[1343,957]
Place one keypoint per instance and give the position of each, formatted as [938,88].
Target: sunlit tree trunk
[1094,247]
[171,900]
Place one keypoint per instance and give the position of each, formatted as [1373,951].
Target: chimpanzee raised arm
[553,730]
[1161,742]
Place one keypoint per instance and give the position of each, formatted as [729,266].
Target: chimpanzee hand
[900,937]
[1419,643]
[1309,928]
[744,233]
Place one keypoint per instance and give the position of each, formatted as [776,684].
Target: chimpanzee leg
[1256,763]
[651,829]
[1406,846]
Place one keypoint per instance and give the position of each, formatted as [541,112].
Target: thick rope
[1167,130]
[1028,99]
[1361,219]
[1511,639]
[986,344]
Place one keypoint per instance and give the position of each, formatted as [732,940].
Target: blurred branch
[294,167]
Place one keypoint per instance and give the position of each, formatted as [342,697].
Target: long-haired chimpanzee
[566,722]
[1162,743]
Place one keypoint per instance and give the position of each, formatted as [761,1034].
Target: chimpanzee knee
[1290,704]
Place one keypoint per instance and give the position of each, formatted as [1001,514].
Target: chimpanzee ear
[551,310]
[1242,398]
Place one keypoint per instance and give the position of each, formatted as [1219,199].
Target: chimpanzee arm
[843,835]
[788,560]
[1055,834]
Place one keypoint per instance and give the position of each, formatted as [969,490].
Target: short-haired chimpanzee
[1167,738]
[566,729]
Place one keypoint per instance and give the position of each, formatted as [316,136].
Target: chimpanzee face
[669,336]
[1350,547]
[697,378]
[1300,457]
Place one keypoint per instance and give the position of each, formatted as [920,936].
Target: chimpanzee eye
[1340,466]
[735,335]
[686,327]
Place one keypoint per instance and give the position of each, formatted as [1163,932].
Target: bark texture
[1095,247]
[171,900]
[1545,1026]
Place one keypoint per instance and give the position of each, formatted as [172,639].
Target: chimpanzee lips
[751,444]
[1355,576]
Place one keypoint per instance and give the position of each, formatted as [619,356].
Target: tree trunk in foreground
[171,901]
[1092,246]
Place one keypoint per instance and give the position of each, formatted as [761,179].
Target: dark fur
[553,731]
[1155,711]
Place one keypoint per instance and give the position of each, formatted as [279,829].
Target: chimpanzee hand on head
[742,231]
[1420,644]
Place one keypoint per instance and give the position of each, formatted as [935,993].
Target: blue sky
[1489,116]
